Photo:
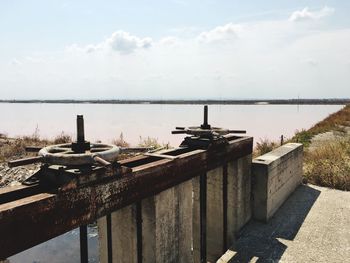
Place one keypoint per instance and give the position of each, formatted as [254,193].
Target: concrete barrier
[275,176]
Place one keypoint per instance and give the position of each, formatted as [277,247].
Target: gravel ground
[330,136]
[14,176]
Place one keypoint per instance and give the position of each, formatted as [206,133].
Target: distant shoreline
[212,102]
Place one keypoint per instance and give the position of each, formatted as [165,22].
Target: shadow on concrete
[258,241]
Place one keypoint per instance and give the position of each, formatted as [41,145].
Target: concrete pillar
[232,201]
[276,175]
[215,214]
[196,220]
[102,239]
[238,196]
[244,167]
[167,225]
[124,236]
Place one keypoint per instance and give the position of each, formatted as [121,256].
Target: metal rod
[30,160]
[237,131]
[205,123]
[139,231]
[84,253]
[80,129]
[101,161]
[135,149]
[224,201]
[109,239]
[203,217]
[170,157]
[33,149]
[178,132]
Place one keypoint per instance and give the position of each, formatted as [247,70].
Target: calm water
[106,122]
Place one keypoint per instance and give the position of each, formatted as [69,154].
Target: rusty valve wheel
[77,153]
[62,154]
[205,130]
[200,132]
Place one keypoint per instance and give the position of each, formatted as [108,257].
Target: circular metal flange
[198,131]
[62,154]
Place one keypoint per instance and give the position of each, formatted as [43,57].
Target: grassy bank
[329,164]
[334,122]
[326,163]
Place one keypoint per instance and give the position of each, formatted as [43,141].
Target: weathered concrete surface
[123,230]
[215,213]
[313,225]
[238,196]
[276,175]
[167,225]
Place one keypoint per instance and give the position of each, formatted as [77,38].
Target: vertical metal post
[84,255]
[282,140]
[109,238]
[224,201]
[80,129]
[205,115]
[139,231]
[205,124]
[203,217]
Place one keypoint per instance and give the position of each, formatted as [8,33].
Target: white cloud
[120,41]
[224,33]
[271,58]
[306,14]
[169,41]
[15,62]
[124,42]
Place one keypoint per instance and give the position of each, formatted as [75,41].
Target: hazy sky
[174,49]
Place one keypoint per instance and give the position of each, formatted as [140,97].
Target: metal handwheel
[63,154]
[77,153]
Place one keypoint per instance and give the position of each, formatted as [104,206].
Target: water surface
[106,121]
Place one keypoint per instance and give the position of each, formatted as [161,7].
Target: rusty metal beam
[34,219]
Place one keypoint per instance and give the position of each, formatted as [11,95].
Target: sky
[158,49]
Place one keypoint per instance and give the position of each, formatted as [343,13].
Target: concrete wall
[238,206]
[171,220]
[275,176]
[166,229]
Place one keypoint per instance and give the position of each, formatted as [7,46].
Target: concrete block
[239,205]
[167,225]
[102,239]
[124,236]
[276,175]
[196,219]
[215,214]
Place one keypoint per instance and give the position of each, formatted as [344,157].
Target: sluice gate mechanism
[82,182]
[66,163]
[204,136]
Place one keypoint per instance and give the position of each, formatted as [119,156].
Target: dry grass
[149,142]
[120,141]
[12,148]
[264,146]
[333,122]
[329,165]
[62,138]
